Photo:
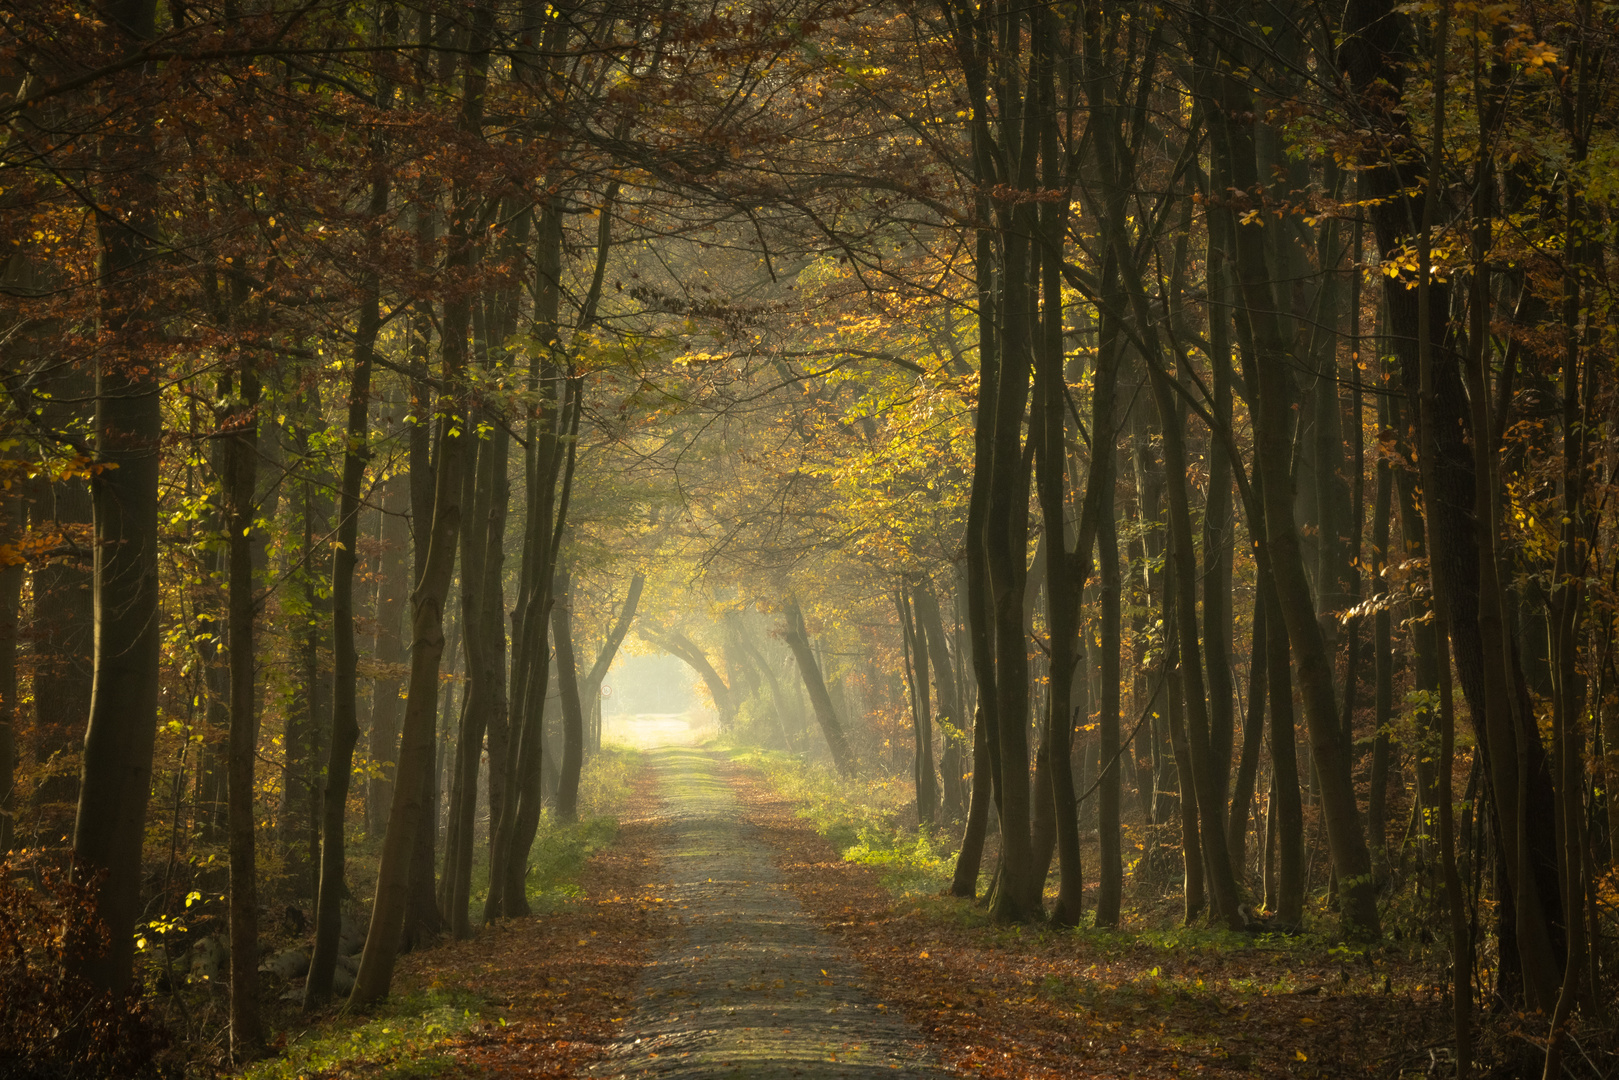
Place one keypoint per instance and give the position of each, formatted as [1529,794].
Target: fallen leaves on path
[561,984]
[1023,1002]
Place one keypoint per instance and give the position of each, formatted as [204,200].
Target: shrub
[54,1025]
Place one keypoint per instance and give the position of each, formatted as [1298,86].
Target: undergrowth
[561,849]
[869,821]
[406,1037]
[402,1040]
[865,818]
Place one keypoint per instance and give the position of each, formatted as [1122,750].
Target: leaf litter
[1032,1002]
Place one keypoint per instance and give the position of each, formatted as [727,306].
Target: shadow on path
[747,986]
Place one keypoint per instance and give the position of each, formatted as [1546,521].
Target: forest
[1169,444]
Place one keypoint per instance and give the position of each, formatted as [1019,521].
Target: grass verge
[1029,1002]
[404,1038]
[445,996]
[869,820]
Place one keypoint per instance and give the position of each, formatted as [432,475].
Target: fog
[652,700]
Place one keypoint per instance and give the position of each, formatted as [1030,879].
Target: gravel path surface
[747,986]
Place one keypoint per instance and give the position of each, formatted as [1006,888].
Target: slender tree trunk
[1347,840]
[63,632]
[1195,889]
[1110,890]
[590,691]
[416,751]
[387,648]
[1461,981]
[1242,792]
[986,766]
[11,578]
[573,719]
[421,706]
[240,484]
[345,676]
[1219,542]
[1382,666]
[1287,808]
[298,824]
[930,627]
[797,639]
[554,465]
[923,776]
[485,495]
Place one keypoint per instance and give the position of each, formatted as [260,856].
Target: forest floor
[720,934]
[539,998]
[1033,1002]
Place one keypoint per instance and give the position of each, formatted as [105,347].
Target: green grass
[561,850]
[864,818]
[397,1042]
[404,1038]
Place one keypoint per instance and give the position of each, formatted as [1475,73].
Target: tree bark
[930,628]
[388,910]
[63,633]
[1242,792]
[573,718]
[483,628]
[345,717]
[240,487]
[1346,839]
[1382,663]
[1286,818]
[924,779]
[797,639]
[115,783]
[11,578]
[591,690]
[387,648]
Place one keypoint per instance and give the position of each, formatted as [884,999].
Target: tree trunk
[924,778]
[1110,890]
[552,463]
[11,577]
[421,706]
[63,633]
[985,778]
[1219,541]
[416,750]
[1346,839]
[117,772]
[797,639]
[387,648]
[240,486]
[573,719]
[1015,897]
[345,679]
[1242,793]
[483,628]
[1209,791]
[1195,889]
[592,688]
[1382,665]
[930,628]
[300,815]
[1286,819]
[1063,583]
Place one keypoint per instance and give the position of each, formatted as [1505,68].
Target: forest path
[747,986]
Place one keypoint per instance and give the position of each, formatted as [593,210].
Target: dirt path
[746,985]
